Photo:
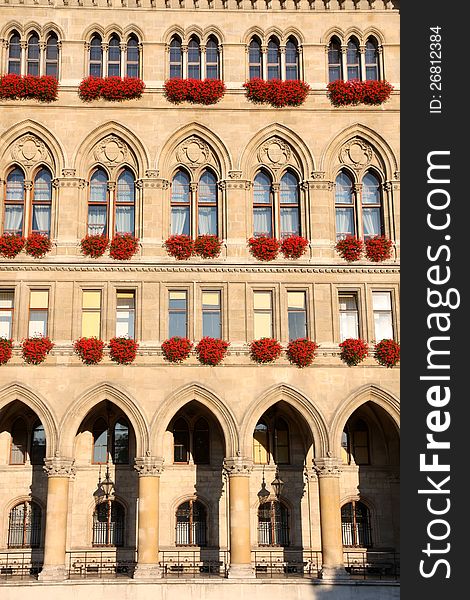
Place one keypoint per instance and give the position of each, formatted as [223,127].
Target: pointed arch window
[180,204]
[371,206]
[19,442]
[42,202]
[176,58]
[115,446]
[191,518]
[52,56]
[108,524]
[96,57]
[254,59]
[355,525]
[194,59]
[212,59]
[121,443]
[292,60]
[14,202]
[207,204]
[100,442]
[38,444]
[289,205]
[261,443]
[24,526]
[353,59]
[98,203]
[181,441]
[14,54]
[335,70]
[33,55]
[125,203]
[344,206]
[359,443]
[132,57]
[273,524]
[281,442]
[263,205]
[372,60]
[114,57]
[274,59]
[201,442]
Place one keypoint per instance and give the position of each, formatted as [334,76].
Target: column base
[241,572]
[334,573]
[53,573]
[148,571]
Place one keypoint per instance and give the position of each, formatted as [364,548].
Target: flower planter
[207,246]
[176,349]
[180,246]
[123,350]
[387,353]
[275,92]
[90,350]
[11,245]
[301,352]
[195,91]
[350,248]
[264,248]
[211,351]
[94,246]
[43,88]
[354,92]
[37,245]
[353,351]
[123,246]
[378,248]
[294,246]
[35,349]
[113,89]
[6,348]
[265,350]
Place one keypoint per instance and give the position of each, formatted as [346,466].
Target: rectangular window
[178,313]
[297,315]
[262,315]
[6,313]
[382,307]
[125,314]
[211,315]
[38,312]
[348,317]
[91,313]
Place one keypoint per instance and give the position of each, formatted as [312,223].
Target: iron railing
[366,564]
[200,562]
[19,565]
[283,562]
[101,564]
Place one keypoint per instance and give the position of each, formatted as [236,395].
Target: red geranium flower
[265,350]
[378,248]
[301,352]
[179,246]
[21,87]
[94,245]
[353,351]
[350,248]
[353,92]
[36,348]
[112,88]
[90,350]
[275,92]
[11,245]
[211,351]
[387,353]
[207,246]
[123,246]
[294,246]
[176,349]
[263,247]
[195,91]
[6,347]
[37,244]
[123,350]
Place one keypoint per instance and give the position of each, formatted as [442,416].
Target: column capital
[58,466]
[328,467]
[238,466]
[149,466]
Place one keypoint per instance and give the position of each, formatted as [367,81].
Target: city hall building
[173,479]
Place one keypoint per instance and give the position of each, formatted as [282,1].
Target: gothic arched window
[108,524]
[273,524]
[191,524]
[355,525]
[24,526]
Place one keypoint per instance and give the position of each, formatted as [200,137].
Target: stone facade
[152,138]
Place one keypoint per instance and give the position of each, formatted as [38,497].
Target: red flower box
[180,246]
[301,352]
[378,248]
[265,350]
[264,247]
[123,246]
[37,244]
[195,91]
[387,353]
[21,87]
[353,92]
[90,350]
[6,347]
[207,246]
[277,93]
[114,89]
[11,245]
[350,248]
[353,351]
[36,348]
[123,350]
[294,246]
[94,245]
[211,351]
[176,349]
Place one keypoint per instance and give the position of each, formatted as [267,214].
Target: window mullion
[184,52]
[123,64]
[344,61]
[275,212]
[24,51]
[264,61]
[111,207]
[362,59]
[282,52]
[357,203]
[193,186]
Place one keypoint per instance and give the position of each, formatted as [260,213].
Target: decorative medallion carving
[356,153]
[275,152]
[193,152]
[112,151]
[30,150]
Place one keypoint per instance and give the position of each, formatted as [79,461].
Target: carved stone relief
[193,152]
[30,150]
[356,153]
[274,152]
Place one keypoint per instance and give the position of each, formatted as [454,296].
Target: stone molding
[238,466]
[328,467]
[149,466]
[58,466]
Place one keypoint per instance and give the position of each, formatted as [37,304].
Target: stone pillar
[59,471]
[328,470]
[238,470]
[149,469]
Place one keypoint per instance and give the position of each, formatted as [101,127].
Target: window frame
[274,524]
[37,531]
[114,44]
[186,310]
[14,60]
[95,61]
[133,310]
[33,62]
[9,202]
[291,310]
[119,530]
[367,533]
[35,202]
[91,202]
[354,292]
[255,65]
[334,65]
[208,204]
[273,43]
[263,311]
[190,522]
[132,64]
[217,291]
[46,310]
[86,310]
[10,310]
[117,203]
